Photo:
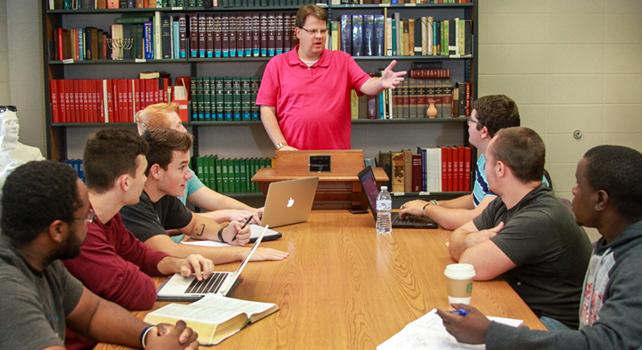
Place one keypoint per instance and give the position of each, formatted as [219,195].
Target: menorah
[118,47]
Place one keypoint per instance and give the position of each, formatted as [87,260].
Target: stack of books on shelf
[229,175]
[423,89]
[175,4]
[224,99]
[104,100]
[433,169]
[376,35]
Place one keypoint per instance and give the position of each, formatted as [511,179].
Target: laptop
[289,202]
[189,288]
[371,190]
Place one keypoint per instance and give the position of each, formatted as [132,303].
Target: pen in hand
[242,227]
[460,312]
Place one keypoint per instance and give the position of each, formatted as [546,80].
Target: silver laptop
[189,288]
[289,202]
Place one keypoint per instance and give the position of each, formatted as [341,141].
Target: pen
[460,312]
[242,227]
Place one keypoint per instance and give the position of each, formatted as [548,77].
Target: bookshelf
[246,138]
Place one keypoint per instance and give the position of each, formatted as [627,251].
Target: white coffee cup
[459,280]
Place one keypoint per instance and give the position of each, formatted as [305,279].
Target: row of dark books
[432,169]
[224,98]
[229,175]
[104,100]
[375,35]
[258,34]
[123,4]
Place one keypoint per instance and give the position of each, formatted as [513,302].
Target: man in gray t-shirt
[45,210]
[526,234]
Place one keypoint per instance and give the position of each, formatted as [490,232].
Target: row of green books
[224,98]
[229,175]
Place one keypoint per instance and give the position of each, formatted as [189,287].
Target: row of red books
[104,100]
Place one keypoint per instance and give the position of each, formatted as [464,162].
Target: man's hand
[196,265]
[242,215]
[473,239]
[288,148]
[234,235]
[390,79]
[263,254]
[470,329]
[172,337]
[414,207]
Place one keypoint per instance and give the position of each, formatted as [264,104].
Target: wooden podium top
[271,175]
[318,162]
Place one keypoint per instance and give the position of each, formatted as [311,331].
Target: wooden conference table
[344,287]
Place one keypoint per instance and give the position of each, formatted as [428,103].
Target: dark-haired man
[160,210]
[305,93]
[45,210]
[490,114]
[607,196]
[526,233]
[112,262]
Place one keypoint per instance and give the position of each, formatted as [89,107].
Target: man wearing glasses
[490,114]
[305,93]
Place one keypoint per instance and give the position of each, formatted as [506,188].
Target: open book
[214,317]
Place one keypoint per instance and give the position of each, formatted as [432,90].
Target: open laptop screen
[369,186]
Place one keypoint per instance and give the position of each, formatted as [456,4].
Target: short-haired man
[219,207]
[607,196]
[45,211]
[526,233]
[490,114]
[305,93]
[112,263]
[160,210]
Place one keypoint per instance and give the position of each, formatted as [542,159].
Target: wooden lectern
[339,186]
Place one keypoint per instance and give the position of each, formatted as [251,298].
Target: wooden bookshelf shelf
[410,121]
[397,6]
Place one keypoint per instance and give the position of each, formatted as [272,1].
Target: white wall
[570,65]
[4,61]
[26,76]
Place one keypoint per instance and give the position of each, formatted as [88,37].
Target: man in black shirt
[526,233]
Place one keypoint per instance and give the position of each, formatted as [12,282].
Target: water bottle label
[384,205]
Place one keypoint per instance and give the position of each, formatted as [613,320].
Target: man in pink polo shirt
[305,93]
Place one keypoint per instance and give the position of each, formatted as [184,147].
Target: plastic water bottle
[384,208]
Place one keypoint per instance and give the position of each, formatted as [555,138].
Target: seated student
[608,196]
[526,233]
[44,218]
[219,206]
[112,263]
[490,114]
[159,210]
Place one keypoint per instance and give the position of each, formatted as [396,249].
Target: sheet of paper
[428,332]
[255,231]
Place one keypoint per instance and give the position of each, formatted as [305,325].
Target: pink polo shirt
[312,103]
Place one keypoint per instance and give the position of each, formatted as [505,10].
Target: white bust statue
[12,152]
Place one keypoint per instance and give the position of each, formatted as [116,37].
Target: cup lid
[460,271]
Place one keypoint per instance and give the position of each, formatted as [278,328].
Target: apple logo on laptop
[290,202]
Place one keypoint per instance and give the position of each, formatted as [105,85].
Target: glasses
[5,108]
[316,31]
[470,120]
[91,215]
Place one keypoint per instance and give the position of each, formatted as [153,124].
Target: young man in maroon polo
[305,93]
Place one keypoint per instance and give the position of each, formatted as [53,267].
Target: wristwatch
[280,145]
[431,202]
